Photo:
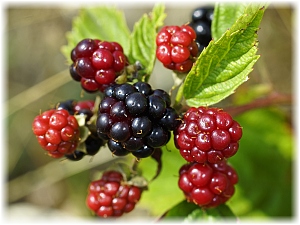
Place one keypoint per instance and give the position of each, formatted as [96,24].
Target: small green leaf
[219,213]
[104,23]
[224,211]
[80,119]
[84,133]
[225,64]
[182,209]
[191,212]
[142,42]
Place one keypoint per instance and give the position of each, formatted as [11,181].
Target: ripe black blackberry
[201,24]
[135,119]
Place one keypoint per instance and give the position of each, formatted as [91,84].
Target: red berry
[85,104]
[105,76]
[201,196]
[176,47]
[57,132]
[102,59]
[84,48]
[200,174]
[163,53]
[206,184]
[97,63]
[111,196]
[119,61]
[179,54]
[89,85]
[207,134]
[185,66]
[163,37]
[181,38]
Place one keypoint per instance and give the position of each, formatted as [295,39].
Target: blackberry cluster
[201,24]
[135,119]
[206,138]
[96,63]
[176,47]
[207,185]
[57,132]
[93,143]
[111,196]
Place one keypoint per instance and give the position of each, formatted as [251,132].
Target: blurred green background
[39,188]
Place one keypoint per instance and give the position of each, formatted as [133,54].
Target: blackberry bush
[135,121]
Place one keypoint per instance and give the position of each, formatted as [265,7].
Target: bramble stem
[178,98]
[273,98]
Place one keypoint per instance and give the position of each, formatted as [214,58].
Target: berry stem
[178,98]
[271,99]
[134,166]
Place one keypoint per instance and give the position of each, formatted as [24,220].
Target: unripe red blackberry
[176,47]
[207,185]
[207,135]
[112,196]
[135,119]
[57,132]
[92,143]
[96,63]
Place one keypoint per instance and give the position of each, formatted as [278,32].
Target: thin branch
[51,173]
[36,92]
[273,98]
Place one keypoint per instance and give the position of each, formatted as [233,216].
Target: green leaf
[142,42]
[219,213]
[225,64]
[104,23]
[225,15]
[182,209]
[190,212]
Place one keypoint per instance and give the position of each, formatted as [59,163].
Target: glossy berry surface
[201,20]
[135,119]
[207,135]
[57,132]
[207,185]
[96,63]
[110,196]
[176,47]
